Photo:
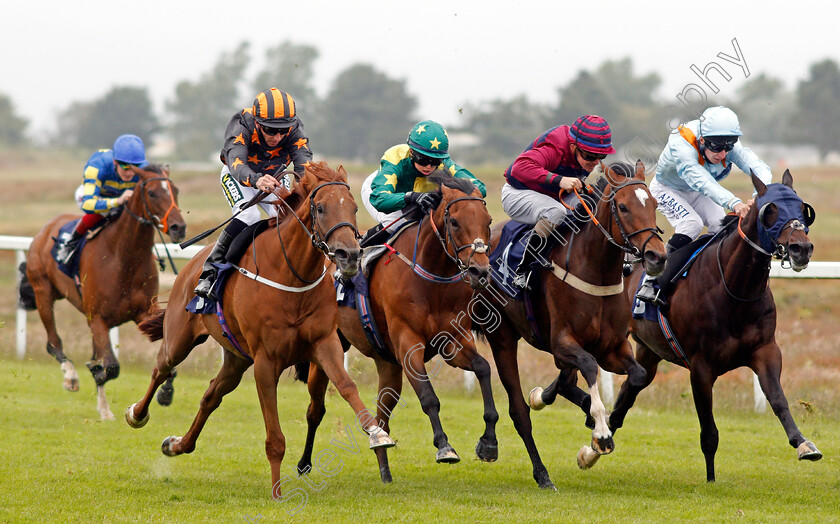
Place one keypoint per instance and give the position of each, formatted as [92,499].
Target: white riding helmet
[719,121]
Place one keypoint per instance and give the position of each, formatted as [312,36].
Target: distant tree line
[365,111]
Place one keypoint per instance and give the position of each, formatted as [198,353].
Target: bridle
[148,218]
[627,246]
[316,235]
[478,245]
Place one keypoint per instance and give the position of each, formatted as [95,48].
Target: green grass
[60,464]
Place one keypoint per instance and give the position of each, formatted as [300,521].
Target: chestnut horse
[722,314]
[118,277]
[279,308]
[420,303]
[579,310]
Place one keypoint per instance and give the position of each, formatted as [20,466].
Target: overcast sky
[449,52]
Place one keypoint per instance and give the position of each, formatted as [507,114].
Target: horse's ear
[640,169]
[758,184]
[341,170]
[787,179]
[165,169]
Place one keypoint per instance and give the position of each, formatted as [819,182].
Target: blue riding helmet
[129,149]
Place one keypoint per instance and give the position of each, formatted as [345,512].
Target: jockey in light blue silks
[698,155]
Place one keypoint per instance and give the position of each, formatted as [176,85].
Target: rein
[316,236]
[627,246]
[478,246]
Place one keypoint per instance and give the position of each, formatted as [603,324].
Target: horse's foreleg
[266,375]
[569,354]
[630,389]
[767,365]
[415,370]
[226,381]
[330,357]
[566,386]
[702,382]
[45,302]
[469,359]
[317,383]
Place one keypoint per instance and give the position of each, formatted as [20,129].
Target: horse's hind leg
[317,383]
[387,399]
[226,381]
[504,353]
[103,365]
[767,364]
[45,297]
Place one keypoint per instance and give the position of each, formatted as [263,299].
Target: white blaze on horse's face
[642,195]
[165,185]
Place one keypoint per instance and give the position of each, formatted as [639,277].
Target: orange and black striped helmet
[274,108]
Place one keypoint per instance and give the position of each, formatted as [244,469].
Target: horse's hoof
[808,451]
[133,422]
[603,446]
[587,457]
[447,455]
[542,478]
[385,475]
[535,399]
[71,384]
[106,415]
[166,447]
[487,452]
[379,438]
[165,394]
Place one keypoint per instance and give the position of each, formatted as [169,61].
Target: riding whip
[256,199]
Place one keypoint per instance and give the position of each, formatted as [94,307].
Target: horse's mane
[154,168]
[322,173]
[445,179]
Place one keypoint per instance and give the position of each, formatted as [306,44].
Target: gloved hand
[425,201]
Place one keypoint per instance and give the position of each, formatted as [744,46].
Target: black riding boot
[208,274]
[646,292]
[536,241]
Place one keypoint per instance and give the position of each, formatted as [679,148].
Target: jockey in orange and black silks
[258,141]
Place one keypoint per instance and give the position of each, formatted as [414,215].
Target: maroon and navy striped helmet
[592,134]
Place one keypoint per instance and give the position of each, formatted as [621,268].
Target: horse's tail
[152,327]
[26,295]
[302,371]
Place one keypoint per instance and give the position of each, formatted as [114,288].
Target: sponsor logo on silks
[286,182]
[232,192]
[672,205]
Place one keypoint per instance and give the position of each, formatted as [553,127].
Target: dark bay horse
[422,307]
[284,313]
[580,312]
[723,316]
[118,277]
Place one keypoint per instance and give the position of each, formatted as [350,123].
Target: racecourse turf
[61,464]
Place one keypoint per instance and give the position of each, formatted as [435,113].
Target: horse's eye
[320,209]
[622,207]
[151,193]
[454,223]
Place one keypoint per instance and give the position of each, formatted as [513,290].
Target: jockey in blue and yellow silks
[108,183]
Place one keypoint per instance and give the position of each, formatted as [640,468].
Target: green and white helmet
[430,139]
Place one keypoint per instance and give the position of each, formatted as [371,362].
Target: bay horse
[422,307]
[118,277]
[579,312]
[723,316]
[279,309]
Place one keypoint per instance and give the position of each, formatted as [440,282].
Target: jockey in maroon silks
[546,173]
